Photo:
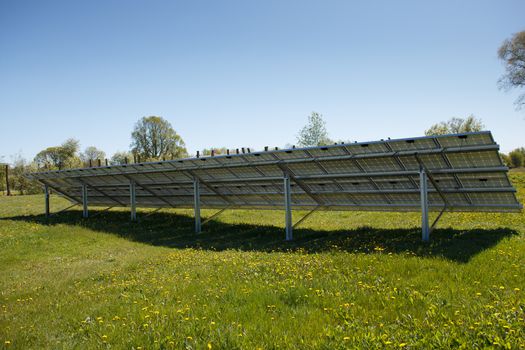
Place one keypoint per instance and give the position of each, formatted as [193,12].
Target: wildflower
[209,346]
[7,343]
[346,338]
[402,345]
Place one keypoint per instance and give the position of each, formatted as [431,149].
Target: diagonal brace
[96,189]
[145,188]
[306,216]
[208,186]
[301,184]
[65,209]
[216,214]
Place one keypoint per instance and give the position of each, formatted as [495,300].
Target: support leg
[46,196]
[288,207]
[84,201]
[197,205]
[423,186]
[132,200]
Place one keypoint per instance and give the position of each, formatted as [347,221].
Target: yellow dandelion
[209,346]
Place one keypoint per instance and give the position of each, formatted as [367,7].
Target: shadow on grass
[176,231]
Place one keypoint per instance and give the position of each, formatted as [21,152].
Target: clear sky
[247,73]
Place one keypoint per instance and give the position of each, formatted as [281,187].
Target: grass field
[349,280]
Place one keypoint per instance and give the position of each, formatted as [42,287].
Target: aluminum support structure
[84,201]
[133,200]
[197,205]
[288,207]
[423,186]
[46,197]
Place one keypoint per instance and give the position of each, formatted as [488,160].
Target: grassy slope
[348,280]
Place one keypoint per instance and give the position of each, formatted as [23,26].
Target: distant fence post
[8,189]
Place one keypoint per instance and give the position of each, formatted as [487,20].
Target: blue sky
[247,73]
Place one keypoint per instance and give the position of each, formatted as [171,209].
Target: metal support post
[197,205]
[423,186]
[288,207]
[132,200]
[46,196]
[84,201]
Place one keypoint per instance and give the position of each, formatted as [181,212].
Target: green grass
[348,280]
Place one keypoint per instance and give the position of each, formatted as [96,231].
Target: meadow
[348,280]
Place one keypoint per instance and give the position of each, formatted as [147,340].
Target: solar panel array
[465,169]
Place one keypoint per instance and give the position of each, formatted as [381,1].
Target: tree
[505,159]
[120,157]
[92,153]
[512,52]
[314,132]
[2,176]
[517,158]
[154,138]
[456,126]
[59,157]
[17,179]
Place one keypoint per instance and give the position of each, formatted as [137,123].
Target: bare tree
[512,52]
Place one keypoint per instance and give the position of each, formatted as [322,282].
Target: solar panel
[464,173]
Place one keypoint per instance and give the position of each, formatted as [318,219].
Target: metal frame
[173,183]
